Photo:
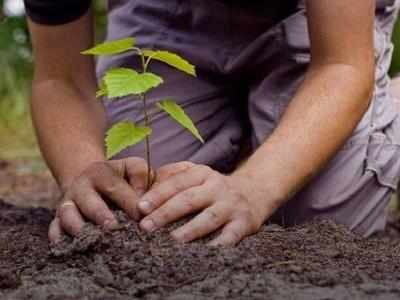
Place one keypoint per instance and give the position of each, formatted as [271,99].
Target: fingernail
[148,225]
[56,240]
[110,224]
[178,236]
[145,206]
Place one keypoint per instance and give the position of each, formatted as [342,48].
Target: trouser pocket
[383,156]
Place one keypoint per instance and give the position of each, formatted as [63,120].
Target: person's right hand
[121,181]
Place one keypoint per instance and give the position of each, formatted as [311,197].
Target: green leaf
[102,90]
[178,114]
[171,59]
[123,135]
[123,82]
[111,47]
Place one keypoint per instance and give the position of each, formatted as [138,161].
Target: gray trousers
[250,64]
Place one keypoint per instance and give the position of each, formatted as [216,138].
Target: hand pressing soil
[319,260]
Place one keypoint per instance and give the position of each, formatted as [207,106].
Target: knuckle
[216,182]
[69,193]
[82,182]
[178,185]
[203,169]
[212,216]
[214,187]
[156,196]
[98,171]
[63,210]
[184,165]
[95,168]
[69,222]
[100,215]
[235,234]
[249,219]
[112,187]
[190,233]
[161,217]
[187,199]
[246,214]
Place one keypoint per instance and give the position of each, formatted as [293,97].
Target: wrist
[265,199]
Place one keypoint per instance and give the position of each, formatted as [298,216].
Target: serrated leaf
[171,59]
[123,82]
[111,47]
[178,114]
[124,134]
[102,90]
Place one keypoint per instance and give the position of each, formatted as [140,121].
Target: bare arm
[331,101]
[70,125]
[324,112]
[69,122]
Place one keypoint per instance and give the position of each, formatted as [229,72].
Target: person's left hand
[221,201]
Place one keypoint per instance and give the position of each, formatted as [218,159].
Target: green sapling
[122,82]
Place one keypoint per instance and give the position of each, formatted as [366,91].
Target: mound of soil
[319,260]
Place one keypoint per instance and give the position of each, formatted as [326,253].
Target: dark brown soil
[319,260]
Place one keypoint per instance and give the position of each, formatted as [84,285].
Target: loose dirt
[319,260]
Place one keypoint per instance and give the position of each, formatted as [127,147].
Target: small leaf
[111,47]
[178,114]
[123,135]
[102,90]
[123,82]
[171,59]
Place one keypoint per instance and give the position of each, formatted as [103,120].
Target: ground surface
[315,261]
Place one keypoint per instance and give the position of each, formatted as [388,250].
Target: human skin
[324,112]
[317,122]
[70,125]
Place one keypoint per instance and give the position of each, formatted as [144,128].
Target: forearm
[320,118]
[69,121]
[70,127]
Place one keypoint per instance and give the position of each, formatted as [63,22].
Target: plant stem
[147,122]
[147,144]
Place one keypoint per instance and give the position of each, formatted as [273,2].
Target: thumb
[135,172]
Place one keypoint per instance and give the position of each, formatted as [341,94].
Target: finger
[205,223]
[93,207]
[175,184]
[109,183]
[186,202]
[170,170]
[134,170]
[232,233]
[71,221]
[55,230]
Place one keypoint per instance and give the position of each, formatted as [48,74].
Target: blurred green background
[16,134]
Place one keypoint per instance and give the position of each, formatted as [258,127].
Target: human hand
[121,181]
[222,202]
